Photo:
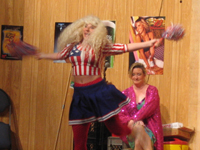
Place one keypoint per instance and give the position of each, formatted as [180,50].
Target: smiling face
[139,27]
[87,30]
[138,76]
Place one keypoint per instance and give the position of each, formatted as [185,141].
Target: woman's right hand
[131,124]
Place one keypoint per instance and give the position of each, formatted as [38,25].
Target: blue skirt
[96,102]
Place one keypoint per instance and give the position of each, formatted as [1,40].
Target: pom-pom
[20,48]
[174,32]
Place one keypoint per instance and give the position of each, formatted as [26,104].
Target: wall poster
[145,28]
[8,34]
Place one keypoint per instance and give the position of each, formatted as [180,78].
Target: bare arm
[51,56]
[141,45]
[64,54]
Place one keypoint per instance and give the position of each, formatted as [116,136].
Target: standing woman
[144,34]
[142,114]
[85,44]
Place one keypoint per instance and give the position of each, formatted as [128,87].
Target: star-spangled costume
[94,101]
[84,62]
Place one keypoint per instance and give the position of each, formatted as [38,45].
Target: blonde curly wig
[74,34]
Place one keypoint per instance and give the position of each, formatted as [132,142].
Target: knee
[138,128]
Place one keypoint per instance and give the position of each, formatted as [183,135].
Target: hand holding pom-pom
[158,43]
[173,32]
[19,48]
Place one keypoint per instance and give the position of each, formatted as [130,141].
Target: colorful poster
[111,27]
[59,26]
[9,34]
[145,28]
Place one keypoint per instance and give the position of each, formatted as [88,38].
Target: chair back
[5,131]
[4,100]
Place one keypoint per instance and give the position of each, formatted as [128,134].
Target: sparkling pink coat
[149,113]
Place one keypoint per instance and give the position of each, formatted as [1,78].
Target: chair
[5,131]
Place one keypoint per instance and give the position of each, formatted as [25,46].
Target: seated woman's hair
[136,65]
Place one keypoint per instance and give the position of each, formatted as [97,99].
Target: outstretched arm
[64,54]
[51,56]
[118,48]
[141,45]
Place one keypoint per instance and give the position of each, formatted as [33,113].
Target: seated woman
[142,114]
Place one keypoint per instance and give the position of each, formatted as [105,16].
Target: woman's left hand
[158,42]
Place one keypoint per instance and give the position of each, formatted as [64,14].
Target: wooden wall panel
[184,65]
[39,89]
[28,102]
[10,72]
[194,71]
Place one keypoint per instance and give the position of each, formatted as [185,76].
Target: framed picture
[59,26]
[111,28]
[145,28]
[8,34]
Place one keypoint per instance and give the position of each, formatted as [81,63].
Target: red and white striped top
[84,62]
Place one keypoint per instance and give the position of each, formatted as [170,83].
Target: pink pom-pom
[174,32]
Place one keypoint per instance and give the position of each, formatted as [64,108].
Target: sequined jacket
[149,113]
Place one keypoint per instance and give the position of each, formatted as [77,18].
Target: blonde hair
[136,65]
[144,23]
[73,34]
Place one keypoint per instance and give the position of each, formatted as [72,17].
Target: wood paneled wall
[38,87]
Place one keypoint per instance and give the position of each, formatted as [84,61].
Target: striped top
[84,62]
